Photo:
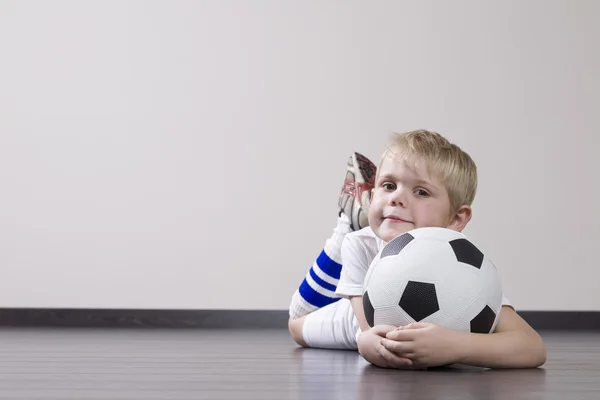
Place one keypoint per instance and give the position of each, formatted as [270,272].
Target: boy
[422,180]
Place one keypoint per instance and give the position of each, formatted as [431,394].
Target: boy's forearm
[357,307]
[510,349]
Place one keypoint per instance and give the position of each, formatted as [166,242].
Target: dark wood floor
[262,364]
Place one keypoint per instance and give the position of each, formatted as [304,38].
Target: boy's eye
[421,192]
[388,186]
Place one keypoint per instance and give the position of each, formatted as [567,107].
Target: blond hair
[443,160]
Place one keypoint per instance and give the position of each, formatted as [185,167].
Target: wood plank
[61,363]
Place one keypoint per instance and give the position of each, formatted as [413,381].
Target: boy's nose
[397,198]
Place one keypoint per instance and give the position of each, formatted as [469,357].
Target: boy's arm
[359,311]
[514,344]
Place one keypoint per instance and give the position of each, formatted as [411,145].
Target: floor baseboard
[231,319]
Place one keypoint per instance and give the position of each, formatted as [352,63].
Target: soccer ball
[433,275]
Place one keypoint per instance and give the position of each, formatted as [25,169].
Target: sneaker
[355,195]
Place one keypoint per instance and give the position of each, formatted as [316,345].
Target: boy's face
[405,197]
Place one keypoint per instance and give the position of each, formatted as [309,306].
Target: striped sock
[318,287]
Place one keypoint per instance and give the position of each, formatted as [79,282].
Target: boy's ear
[461,218]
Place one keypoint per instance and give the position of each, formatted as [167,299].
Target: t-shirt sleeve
[356,259]
[506,302]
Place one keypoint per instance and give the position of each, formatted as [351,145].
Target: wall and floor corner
[235,319]
[178,163]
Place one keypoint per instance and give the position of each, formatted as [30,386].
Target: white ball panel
[426,260]
[458,289]
[442,234]
[450,321]
[392,315]
[389,282]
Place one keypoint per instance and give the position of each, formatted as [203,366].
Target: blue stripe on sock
[329,266]
[321,282]
[313,297]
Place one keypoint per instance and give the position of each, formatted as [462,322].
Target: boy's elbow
[538,353]
[536,359]
[541,356]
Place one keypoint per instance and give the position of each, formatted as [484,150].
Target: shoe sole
[360,178]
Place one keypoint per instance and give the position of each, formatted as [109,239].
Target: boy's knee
[295,328]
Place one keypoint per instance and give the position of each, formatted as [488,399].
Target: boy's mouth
[396,218]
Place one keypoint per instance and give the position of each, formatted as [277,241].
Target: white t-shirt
[359,249]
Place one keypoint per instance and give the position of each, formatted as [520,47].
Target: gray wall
[189,154]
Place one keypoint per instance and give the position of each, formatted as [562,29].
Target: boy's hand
[426,344]
[371,348]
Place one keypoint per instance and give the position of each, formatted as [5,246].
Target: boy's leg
[318,287]
[334,326]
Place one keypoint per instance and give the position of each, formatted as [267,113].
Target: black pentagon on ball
[368,309]
[484,321]
[467,253]
[419,300]
[396,245]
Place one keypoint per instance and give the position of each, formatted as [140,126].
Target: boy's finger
[397,347]
[381,330]
[394,360]
[406,335]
